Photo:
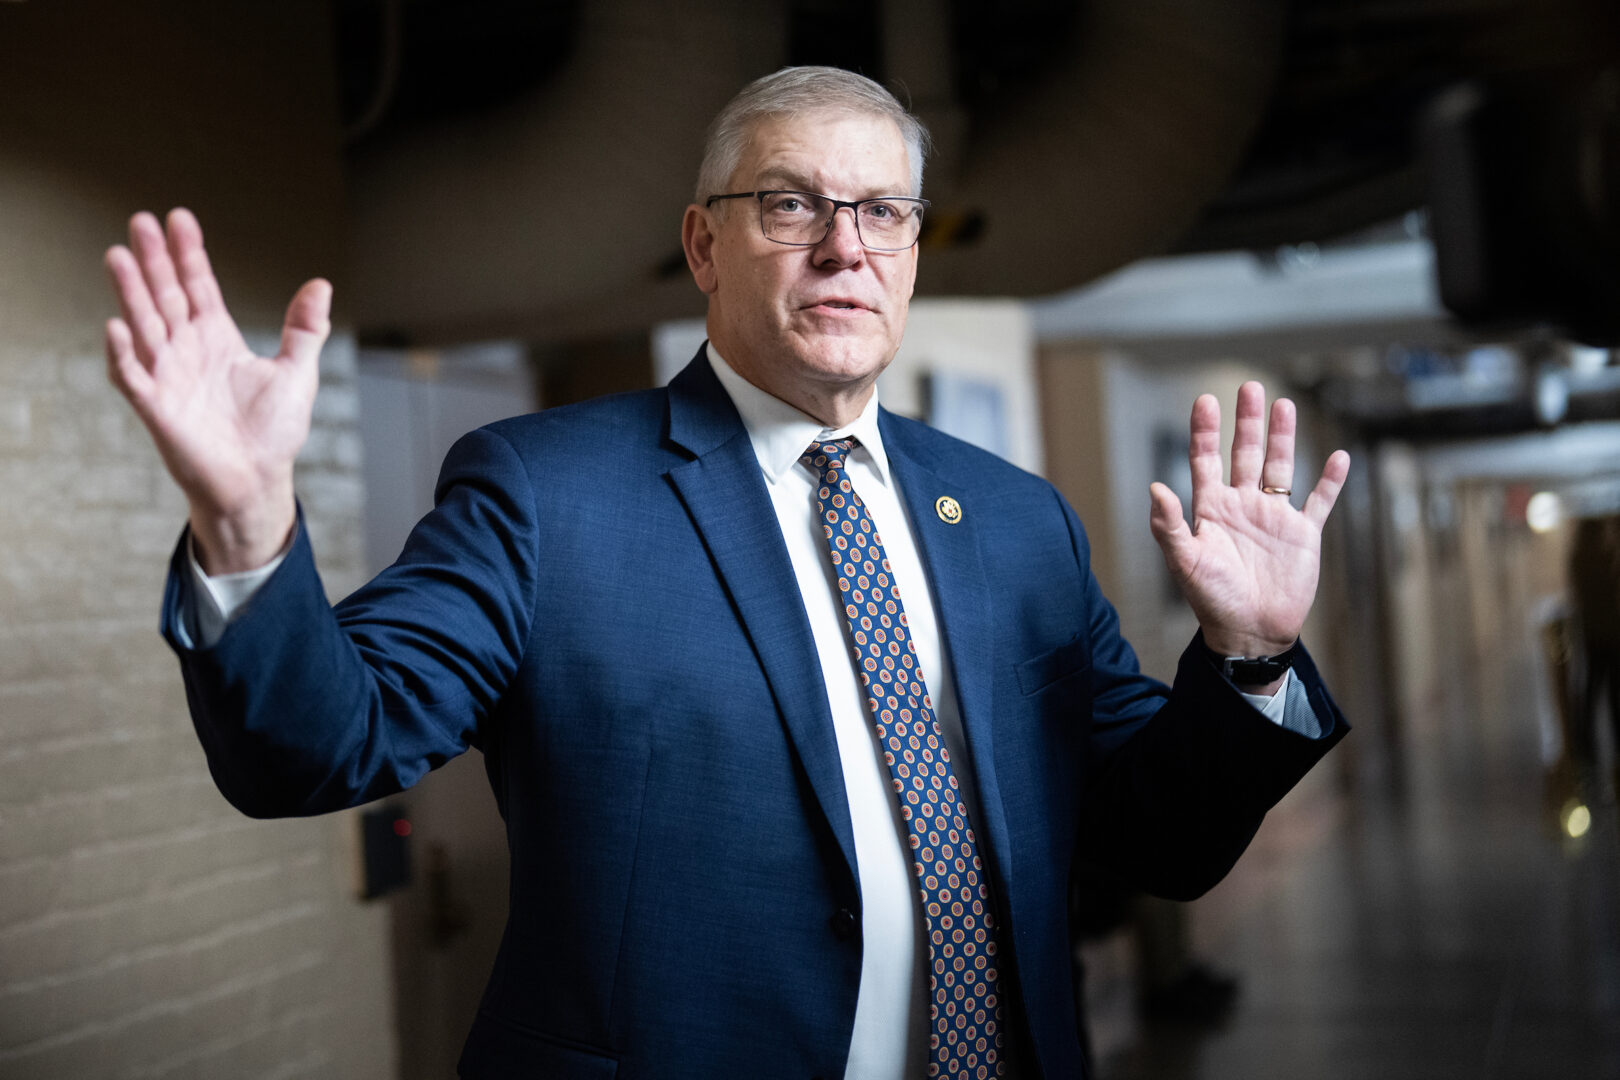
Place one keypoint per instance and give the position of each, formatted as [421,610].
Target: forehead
[839,154]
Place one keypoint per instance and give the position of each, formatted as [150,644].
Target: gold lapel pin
[948,509]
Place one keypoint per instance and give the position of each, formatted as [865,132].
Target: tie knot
[822,456]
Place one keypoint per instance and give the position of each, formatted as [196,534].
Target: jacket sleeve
[1178,779]
[302,708]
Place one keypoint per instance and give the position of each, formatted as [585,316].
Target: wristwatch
[1254,670]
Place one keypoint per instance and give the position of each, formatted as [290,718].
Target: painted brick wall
[146,928]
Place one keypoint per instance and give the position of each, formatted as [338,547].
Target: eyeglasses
[804,219]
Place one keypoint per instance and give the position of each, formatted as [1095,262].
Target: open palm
[1249,563]
[227,423]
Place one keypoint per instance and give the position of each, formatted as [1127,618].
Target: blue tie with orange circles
[964,1007]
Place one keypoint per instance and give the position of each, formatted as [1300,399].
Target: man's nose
[842,245]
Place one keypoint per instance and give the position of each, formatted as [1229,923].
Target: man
[797,712]
[1594,582]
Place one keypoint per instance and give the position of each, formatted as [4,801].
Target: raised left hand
[1250,562]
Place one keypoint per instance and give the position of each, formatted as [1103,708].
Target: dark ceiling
[1352,77]
[1334,146]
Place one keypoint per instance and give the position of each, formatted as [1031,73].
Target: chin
[845,356]
[846,368]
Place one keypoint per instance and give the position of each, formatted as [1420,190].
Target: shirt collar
[781,433]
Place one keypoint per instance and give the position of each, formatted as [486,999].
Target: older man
[798,712]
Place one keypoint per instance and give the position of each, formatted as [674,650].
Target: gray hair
[797,91]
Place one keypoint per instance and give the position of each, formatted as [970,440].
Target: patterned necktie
[964,1008]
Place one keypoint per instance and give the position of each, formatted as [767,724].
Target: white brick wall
[146,928]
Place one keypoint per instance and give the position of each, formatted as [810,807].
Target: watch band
[1254,670]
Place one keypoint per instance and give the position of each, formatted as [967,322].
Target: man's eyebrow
[782,178]
[776,178]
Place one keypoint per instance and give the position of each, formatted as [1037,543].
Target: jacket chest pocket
[1063,665]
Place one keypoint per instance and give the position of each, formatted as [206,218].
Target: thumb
[1170,528]
[308,322]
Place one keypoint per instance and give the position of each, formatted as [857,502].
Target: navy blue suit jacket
[603,603]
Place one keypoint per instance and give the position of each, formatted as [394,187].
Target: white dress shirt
[890,1037]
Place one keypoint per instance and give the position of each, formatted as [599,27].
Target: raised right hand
[228,423]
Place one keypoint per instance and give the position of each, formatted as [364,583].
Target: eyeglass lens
[800,217]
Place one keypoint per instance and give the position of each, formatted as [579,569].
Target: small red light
[402,827]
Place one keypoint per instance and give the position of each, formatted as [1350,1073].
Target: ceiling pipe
[1112,156]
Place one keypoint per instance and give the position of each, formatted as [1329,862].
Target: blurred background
[1405,214]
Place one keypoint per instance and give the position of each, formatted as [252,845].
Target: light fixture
[1543,512]
[1575,819]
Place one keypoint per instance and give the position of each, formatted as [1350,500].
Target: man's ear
[697,239]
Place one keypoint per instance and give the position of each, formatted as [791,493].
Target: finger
[147,328]
[151,249]
[308,322]
[124,369]
[191,262]
[1170,530]
[1326,492]
[1278,471]
[1204,447]
[1248,436]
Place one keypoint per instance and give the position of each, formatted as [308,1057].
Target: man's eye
[881,211]
[789,205]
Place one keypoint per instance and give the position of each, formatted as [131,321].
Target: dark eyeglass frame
[922,206]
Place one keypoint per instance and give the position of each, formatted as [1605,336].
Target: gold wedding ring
[1269,490]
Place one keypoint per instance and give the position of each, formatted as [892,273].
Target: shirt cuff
[1289,707]
[213,601]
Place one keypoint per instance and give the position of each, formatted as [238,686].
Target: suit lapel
[724,492]
[955,566]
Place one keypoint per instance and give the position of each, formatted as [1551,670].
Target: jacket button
[843,924]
